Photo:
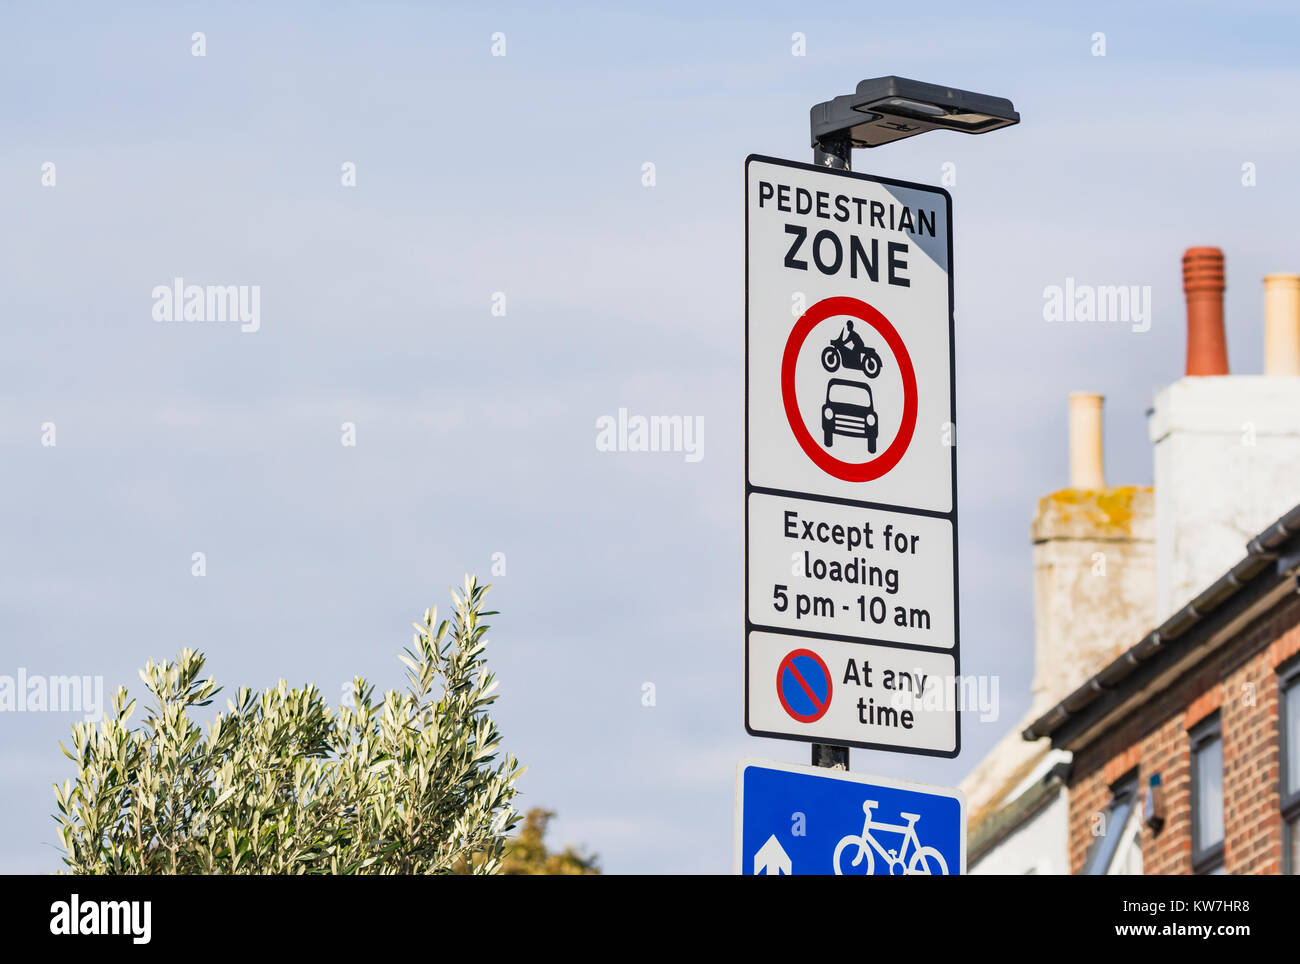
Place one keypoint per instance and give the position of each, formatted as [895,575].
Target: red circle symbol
[886,460]
[803,685]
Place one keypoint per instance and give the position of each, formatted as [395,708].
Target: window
[1289,729]
[1207,797]
[1118,850]
[1128,855]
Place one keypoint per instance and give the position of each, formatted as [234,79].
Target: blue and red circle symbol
[803,684]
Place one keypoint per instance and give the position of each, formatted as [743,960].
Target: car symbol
[849,411]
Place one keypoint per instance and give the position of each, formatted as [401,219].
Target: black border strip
[852,503]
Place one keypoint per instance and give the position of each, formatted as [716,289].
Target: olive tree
[282,784]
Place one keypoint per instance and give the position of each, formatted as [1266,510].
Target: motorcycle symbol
[837,353]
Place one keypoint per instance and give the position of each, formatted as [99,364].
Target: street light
[887,109]
[883,110]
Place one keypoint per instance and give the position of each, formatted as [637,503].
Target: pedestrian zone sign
[851,620]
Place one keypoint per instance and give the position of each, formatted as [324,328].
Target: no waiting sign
[850,460]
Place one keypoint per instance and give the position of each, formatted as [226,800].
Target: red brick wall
[1251,769]
[1239,681]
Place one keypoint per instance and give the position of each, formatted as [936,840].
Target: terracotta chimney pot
[1203,284]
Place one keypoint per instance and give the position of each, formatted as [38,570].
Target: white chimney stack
[1094,571]
[1227,454]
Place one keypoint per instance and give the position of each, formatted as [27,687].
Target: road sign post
[808,820]
[851,607]
[834,151]
[851,615]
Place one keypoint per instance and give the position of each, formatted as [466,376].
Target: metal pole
[835,152]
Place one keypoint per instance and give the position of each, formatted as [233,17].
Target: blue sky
[476,434]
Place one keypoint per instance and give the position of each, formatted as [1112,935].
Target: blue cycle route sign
[811,820]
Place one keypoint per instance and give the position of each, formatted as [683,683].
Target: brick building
[1174,749]
[1186,749]
[1083,611]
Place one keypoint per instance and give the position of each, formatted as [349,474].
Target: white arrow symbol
[772,859]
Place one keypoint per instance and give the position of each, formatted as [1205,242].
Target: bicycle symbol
[924,860]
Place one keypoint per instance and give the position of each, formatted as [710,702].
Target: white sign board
[850,460]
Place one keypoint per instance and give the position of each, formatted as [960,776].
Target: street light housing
[887,109]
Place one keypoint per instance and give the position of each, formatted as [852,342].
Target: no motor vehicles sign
[850,460]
